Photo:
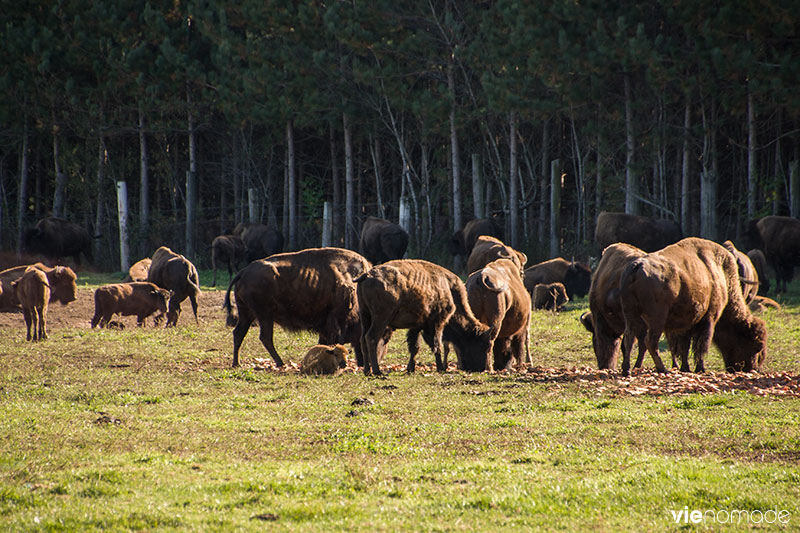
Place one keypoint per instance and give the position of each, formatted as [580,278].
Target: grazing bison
[324,359]
[382,240]
[605,320]
[311,289]
[488,248]
[779,238]
[140,298]
[424,298]
[762,303]
[259,240]
[645,233]
[138,271]
[177,274]
[576,277]
[550,296]
[691,291]
[61,279]
[748,276]
[228,250]
[760,264]
[498,298]
[464,239]
[33,293]
[55,238]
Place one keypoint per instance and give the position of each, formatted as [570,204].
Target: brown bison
[228,250]
[760,264]
[748,276]
[691,291]
[424,298]
[138,271]
[140,298]
[259,240]
[605,320]
[311,289]
[324,359]
[177,274]
[488,248]
[55,238]
[382,240]
[779,238]
[576,277]
[464,239]
[33,293]
[550,296]
[498,298]
[645,233]
[62,281]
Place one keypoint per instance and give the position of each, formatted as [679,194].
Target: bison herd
[649,282]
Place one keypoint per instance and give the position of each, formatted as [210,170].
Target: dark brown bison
[488,248]
[260,240]
[760,264]
[61,279]
[33,293]
[464,239]
[382,240]
[691,291]
[748,276]
[139,298]
[779,238]
[576,277]
[645,233]
[550,296]
[498,298]
[228,250]
[605,320]
[55,238]
[178,275]
[311,289]
[324,359]
[424,298]
[138,271]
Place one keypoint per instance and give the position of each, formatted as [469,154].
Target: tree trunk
[292,185]
[22,197]
[794,190]
[337,192]
[631,183]
[375,152]
[477,188]
[100,207]
[238,195]
[685,211]
[122,214]
[349,193]
[191,190]
[545,198]
[144,187]
[751,156]
[513,182]
[457,221]
[555,208]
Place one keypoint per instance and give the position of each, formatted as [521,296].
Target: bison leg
[373,334]
[651,339]
[96,317]
[700,344]
[679,346]
[42,312]
[214,278]
[412,339]
[438,347]
[265,335]
[239,332]
[28,320]
[193,301]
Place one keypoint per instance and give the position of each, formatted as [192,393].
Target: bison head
[577,280]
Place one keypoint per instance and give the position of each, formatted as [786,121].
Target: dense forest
[430,111]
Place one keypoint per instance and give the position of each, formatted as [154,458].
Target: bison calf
[576,277]
[136,298]
[551,296]
[33,293]
[324,359]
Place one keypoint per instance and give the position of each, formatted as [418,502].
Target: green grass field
[150,429]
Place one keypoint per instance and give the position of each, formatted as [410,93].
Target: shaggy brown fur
[228,250]
[689,290]
[576,277]
[605,320]
[140,298]
[55,238]
[61,279]
[645,233]
[748,276]
[324,359]
[138,271]
[779,238]
[177,274]
[499,299]
[762,303]
[550,296]
[760,264]
[488,248]
[464,239]
[33,294]
[260,240]
[382,240]
[424,298]
[311,289]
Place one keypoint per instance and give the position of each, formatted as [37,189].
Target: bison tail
[231,317]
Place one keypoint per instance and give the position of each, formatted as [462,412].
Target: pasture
[150,429]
